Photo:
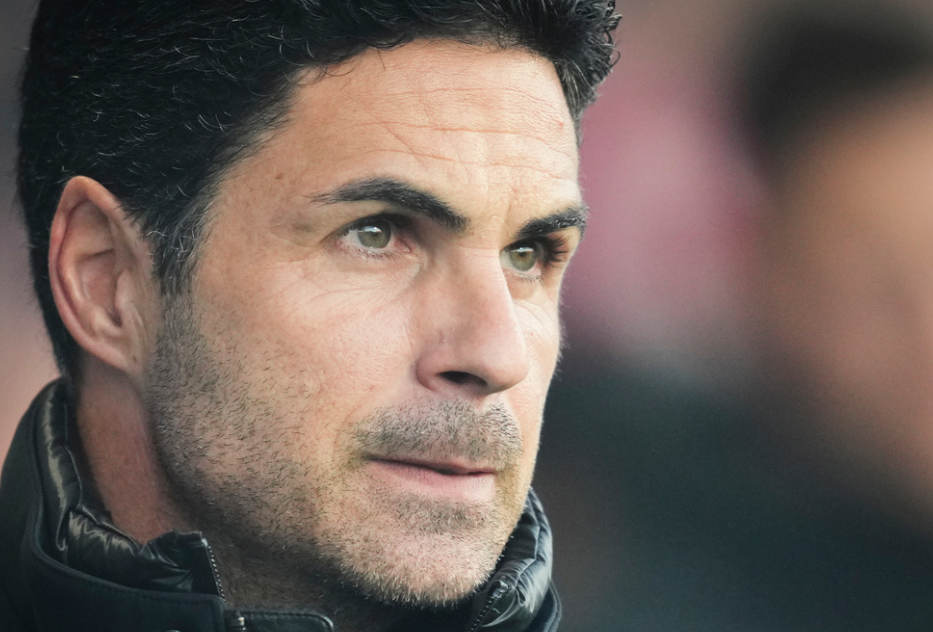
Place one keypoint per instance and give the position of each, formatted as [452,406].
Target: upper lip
[456,467]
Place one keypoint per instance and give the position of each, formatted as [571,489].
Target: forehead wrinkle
[507,115]
[504,165]
[511,97]
[473,130]
[569,152]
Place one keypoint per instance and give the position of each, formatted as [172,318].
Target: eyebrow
[572,217]
[404,195]
[398,193]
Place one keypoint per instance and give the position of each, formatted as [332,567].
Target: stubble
[292,533]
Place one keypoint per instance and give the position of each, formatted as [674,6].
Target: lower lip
[478,486]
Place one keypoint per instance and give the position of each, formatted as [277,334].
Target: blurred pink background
[25,355]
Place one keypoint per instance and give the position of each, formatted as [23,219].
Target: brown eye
[373,234]
[521,257]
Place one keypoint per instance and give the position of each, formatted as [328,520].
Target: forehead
[480,126]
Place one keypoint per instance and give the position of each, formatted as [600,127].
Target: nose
[473,341]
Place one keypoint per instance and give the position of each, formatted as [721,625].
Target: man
[300,263]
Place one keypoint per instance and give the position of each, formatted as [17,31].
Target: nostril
[462,377]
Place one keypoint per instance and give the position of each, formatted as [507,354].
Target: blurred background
[739,435]
[25,355]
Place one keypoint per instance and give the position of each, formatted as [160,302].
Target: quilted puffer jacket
[64,566]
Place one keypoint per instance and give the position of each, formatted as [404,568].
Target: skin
[846,295]
[348,407]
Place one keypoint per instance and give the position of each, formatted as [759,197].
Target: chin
[427,555]
[434,576]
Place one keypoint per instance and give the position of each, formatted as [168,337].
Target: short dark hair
[155,99]
[810,62]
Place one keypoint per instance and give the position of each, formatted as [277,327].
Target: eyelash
[554,251]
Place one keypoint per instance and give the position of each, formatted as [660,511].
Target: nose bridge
[478,341]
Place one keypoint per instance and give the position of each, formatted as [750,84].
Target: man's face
[354,386]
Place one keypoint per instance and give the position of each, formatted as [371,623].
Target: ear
[101,275]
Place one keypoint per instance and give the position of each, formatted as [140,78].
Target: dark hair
[810,62]
[155,99]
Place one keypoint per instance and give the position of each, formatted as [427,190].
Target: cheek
[541,326]
[542,337]
[339,351]
[527,405]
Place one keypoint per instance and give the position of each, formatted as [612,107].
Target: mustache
[442,431]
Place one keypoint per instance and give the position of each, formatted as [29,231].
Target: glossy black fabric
[65,567]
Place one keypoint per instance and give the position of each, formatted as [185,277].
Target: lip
[451,467]
[449,478]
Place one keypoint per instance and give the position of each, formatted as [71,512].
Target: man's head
[303,260]
[155,100]
[841,111]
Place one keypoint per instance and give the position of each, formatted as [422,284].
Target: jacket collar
[55,535]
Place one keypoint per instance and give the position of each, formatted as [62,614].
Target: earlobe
[100,273]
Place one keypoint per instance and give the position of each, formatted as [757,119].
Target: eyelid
[397,219]
[400,224]
[555,246]
[554,251]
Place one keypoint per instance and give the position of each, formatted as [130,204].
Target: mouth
[447,468]
[451,478]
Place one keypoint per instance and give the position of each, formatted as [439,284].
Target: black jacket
[64,566]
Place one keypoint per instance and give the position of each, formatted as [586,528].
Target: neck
[114,431]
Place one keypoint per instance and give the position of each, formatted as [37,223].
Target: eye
[372,233]
[522,257]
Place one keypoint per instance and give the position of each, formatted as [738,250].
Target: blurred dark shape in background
[738,438]
[800,496]
[841,120]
